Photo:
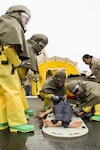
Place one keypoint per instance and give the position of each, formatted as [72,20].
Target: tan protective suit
[50,88]
[90,96]
[33,45]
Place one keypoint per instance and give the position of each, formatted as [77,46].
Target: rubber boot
[47,104]
[22,128]
[46,107]
[95,118]
[3,126]
[29,112]
[27,117]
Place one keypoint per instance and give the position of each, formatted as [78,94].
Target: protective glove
[55,98]
[23,80]
[24,63]
[77,110]
[62,98]
[37,76]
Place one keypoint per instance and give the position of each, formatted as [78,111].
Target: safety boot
[29,112]
[46,107]
[95,118]
[27,117]
[22,128]
[3,126]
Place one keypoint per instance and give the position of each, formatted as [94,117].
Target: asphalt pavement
[37,140]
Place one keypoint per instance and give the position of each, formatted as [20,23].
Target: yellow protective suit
[22,74]
[35,86]
[23,97]
[47,100]
[11,106]
[96,109]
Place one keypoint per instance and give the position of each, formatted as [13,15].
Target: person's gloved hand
[23,63]
[23,80]
[36,76]
[58,98]
[55,98]
[27,64]
[62,98]
[77,110]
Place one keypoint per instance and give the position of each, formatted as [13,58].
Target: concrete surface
[40,141]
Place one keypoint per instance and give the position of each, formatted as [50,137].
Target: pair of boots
[20,128]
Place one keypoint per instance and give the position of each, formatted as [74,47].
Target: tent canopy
[56,58]
[55,63]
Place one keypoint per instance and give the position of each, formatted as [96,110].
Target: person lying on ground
[63,113]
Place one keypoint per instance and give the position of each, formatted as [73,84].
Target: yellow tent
[55,63]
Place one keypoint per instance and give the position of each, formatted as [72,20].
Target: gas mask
[25,20]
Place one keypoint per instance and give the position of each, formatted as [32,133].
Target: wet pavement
[40,141]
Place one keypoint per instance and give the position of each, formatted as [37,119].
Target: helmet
[39,39]
[18,8]
[60,75]
[73,85]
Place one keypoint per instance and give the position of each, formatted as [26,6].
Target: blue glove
[62,98]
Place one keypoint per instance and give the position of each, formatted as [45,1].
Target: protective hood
[33,59]
[72,85]
[36,38]
[12,33]
[18,8]
[60,75]
[50,87]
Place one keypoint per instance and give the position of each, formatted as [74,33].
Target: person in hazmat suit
[30,71]
[88,96]
[53,86]
[13,53]
[23,72]
[36,44]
